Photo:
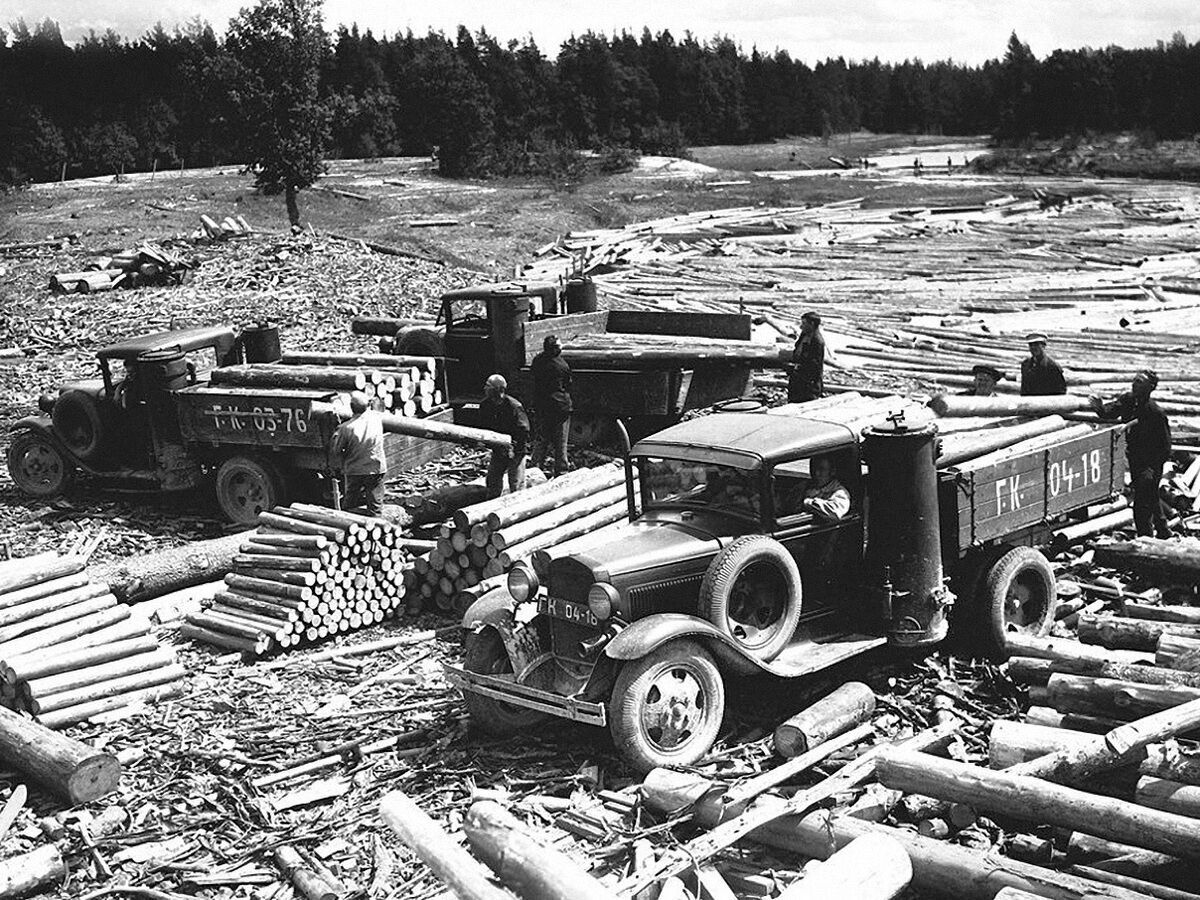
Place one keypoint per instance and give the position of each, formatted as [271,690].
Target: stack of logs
[69,650]
[148,265]
[406,384]
[307,572]
[486,539]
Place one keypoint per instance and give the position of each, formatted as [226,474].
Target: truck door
[468,344]
[826,545]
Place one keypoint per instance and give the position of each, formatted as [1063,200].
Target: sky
[969,31]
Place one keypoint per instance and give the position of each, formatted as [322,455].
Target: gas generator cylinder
[260,343]
[904,554]
[581,296]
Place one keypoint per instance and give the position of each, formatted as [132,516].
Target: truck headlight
[522,583]
[601,599]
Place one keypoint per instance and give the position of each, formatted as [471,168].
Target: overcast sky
[965,30]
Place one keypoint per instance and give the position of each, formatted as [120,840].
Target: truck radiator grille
[671,595]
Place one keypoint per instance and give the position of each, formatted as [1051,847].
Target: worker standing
[357,452]
[1148,447]
[551,404]
[986,379]
[1040,375]
[806,375]
[505,414]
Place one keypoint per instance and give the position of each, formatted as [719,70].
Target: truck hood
[648,544]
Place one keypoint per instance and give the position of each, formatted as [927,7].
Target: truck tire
[419,342]
[81,424]
[752,592]
[247,486]
[666,708]
[1018,594]
[486,656]
[37,466]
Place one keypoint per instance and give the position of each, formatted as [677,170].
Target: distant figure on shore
[917,167]
[986,379]
[1147,447]
[1041,376]
[806,372]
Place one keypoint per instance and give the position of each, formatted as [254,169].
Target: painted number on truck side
[268,419]
[1063,476]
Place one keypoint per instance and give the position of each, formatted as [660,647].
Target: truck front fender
[40,424]
[493,609]
[641,637]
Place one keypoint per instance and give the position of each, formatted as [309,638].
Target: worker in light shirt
[825,497]
[357,452]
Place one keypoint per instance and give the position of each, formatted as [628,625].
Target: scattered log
[84,711]
[445,431]
[1187,615]
[1033,799]
[1125,882]
[24,874]
[957,405]
[871,867]
[1168,760]
[1120,633]
[149,575]
[1154,556]
[24,575]
[459,870]
[63,765]
[939,868]
[307,883]
[851,704]
[532,870]
[988,446]
[1180,653]
[1171,796]
[1027,670]
[1019,644]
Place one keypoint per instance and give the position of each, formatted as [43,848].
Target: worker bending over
[825,497]
[357,452]
[1147,447]
[505,414]
[1040,375]
[551,404]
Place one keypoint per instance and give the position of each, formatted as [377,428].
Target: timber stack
[482,542]
[407,385]
[305,574]
[69,650]
[150,265]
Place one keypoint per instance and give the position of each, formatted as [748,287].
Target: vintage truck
[156,424]
[500,328]
[720,572]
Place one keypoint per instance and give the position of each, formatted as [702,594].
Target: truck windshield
[681,482]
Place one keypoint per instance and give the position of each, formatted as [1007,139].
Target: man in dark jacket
[1040,375]
[505,414]
[806,375]
[1148,447]
[551,404]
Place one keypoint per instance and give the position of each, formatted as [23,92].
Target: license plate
[565,609]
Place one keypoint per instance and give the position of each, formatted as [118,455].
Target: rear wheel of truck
[666,708]
[752,592]
[486,656]
[247,486]
[1018,595]
[37,466]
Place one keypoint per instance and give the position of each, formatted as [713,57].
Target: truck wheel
[247,486]
[752,592]
[81,424]
[666,707]
[1018,595]
[486,656]
[37,466]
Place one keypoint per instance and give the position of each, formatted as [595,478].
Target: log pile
[69,650]
[305,574]
[408,385]
[483,541]
[150,265]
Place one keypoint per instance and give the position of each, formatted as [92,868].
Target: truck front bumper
[499,688]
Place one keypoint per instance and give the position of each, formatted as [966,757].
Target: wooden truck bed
[986,503]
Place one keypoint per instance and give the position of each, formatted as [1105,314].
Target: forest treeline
[171,97]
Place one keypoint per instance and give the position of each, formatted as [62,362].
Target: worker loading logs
[357,451]
[551,404]
[806,373]
[504,413]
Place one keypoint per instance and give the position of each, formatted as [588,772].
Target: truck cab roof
[184,339]
[745,440]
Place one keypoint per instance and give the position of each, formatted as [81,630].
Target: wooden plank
[730,326]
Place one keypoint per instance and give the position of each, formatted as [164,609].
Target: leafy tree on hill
[280,46]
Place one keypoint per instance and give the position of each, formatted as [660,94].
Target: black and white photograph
[553,450]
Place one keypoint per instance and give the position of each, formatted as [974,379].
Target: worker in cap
[986,379]
[357,452]
[1147,447]
[504,413]
[1040,375]
[551,404]
[806,371]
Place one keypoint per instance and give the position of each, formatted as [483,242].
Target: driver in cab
[825,497]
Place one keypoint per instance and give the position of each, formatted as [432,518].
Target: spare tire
[82,423]
[752,592]
[419,342]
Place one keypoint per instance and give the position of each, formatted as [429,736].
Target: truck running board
[500,688]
